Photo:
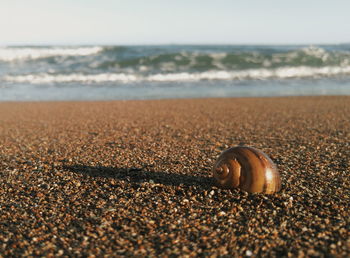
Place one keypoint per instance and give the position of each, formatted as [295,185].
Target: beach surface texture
[133,178]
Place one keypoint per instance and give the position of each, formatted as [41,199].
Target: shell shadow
[139,175]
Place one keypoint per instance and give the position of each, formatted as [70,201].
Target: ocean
[52,73]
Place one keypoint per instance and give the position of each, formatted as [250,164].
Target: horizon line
[173,44]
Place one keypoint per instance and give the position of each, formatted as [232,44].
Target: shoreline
[133,177]
[176,99]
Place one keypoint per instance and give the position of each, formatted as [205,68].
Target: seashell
[248,169]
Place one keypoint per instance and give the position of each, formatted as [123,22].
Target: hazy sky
[174,21]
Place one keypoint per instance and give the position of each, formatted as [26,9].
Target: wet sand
[128,178]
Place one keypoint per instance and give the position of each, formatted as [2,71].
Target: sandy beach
[133,178]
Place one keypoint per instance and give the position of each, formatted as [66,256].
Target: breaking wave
[256,74]
[101,64]
[9,54]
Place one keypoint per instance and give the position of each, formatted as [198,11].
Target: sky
[117,22]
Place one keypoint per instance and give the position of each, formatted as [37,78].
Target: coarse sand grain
[133,178]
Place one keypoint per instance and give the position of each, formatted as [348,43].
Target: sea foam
[9,54]
[255,74]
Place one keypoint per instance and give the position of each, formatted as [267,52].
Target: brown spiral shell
[248,169]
